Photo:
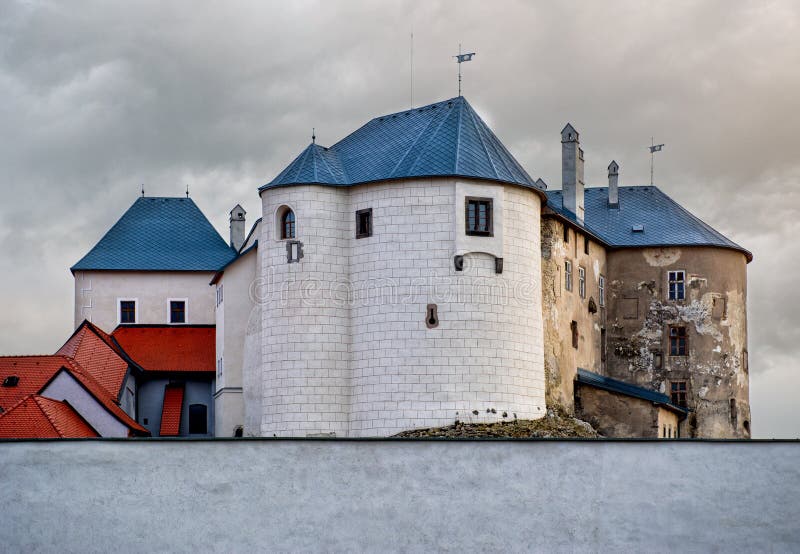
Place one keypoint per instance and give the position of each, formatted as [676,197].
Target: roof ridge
[430,139]
[483,145]
[410,147]
[37,399]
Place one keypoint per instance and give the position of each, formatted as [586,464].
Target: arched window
[288,225]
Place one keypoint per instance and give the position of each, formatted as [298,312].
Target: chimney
[572,172]
[613,188]
[237,227]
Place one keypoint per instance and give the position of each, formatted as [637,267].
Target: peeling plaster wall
[562,307]
[715,316]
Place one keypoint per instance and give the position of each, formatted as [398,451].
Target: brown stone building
[638,290]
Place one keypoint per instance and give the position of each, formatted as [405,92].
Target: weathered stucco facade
[714,315]
[568,314]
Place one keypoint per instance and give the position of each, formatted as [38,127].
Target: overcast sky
[99,97]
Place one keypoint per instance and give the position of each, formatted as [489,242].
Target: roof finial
[313,136]
[142,190]
[187,191]
[461,58]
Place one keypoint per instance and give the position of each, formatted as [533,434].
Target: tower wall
[714,314]
[362,361]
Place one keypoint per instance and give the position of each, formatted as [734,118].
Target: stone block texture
[345,344]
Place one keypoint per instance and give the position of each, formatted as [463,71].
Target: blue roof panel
[661,220]
[159,234]
[621,387]
[443,139]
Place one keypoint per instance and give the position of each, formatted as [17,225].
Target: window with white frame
[582,282]
[127,310]
[177,310]
[568,275]
[677,285]
[602,292]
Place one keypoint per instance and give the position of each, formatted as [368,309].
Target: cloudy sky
[99,97]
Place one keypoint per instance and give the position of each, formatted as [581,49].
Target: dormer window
[479,216]
[288,225]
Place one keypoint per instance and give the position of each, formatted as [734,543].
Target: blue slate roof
[606,383]
[443,139]
[663,221]
[159,234]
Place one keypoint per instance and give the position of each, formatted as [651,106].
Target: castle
[414,274]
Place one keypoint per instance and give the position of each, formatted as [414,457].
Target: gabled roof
[620,387]
[37,417]
[33,371]
[159,234]
[183,348]
[96,351]
[443,139]
[663,221]
[171,411]
[101,395]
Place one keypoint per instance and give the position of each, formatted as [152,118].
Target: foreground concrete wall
[288,496]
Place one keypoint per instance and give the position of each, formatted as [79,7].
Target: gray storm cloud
[97,98]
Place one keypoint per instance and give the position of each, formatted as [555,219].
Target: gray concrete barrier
[414,496]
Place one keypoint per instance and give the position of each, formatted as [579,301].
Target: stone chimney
[237,226]
[613,188]
[572,172]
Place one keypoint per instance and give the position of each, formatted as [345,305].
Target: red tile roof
[169,348]
[33,372]
[102,396]
[37,417]
[95,351]
[171,411]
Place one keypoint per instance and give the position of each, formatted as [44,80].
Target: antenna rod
[653,149]
[412,70]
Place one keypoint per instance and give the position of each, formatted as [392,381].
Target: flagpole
[652,158]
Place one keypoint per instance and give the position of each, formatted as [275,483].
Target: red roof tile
[37,417]
[33,372]
[102,396]
[171,411]
[95,351]
[169,348]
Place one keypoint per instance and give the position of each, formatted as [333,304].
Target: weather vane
[461,58]
[653,149]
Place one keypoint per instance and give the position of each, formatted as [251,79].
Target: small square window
[177,311]
[364,223]
[677,285]
[127,311]
[479,216]
[678,344]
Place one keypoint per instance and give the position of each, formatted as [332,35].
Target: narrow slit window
[364,223]
[566,234]
[585,244]
[677,285]
[573,327]
[479,216]
[568,275]
[602,291]
[582,282]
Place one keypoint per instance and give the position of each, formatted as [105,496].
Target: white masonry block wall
[346,345]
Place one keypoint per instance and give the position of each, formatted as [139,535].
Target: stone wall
[347,349]
[413,496]
[617,415]
[561,307]
[714,314]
